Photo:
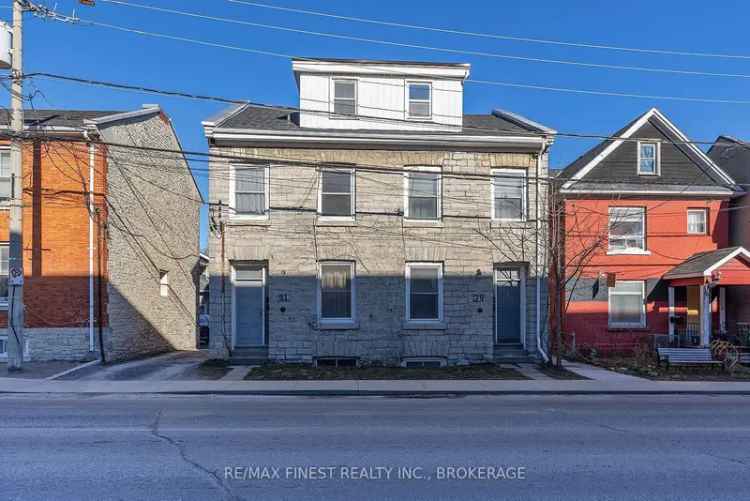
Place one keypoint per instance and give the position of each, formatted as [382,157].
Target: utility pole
[15,256]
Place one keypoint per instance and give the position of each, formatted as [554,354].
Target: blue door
[249,306]
[508,303]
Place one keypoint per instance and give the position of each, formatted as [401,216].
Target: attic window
[648,158]
[420,100]
[345,98]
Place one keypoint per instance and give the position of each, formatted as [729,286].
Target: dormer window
[648,158]
[345,97]
[419,99]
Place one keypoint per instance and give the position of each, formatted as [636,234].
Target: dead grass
[308,372]
[647,367]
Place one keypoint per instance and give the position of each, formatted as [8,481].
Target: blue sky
[686,25]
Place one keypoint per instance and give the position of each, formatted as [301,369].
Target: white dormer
[380,95]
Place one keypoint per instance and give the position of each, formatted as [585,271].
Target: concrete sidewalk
[371,387]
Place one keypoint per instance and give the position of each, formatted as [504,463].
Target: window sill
[423,325]
[335,221]
[621,328]
[249,221]
[346,325]
[503,223]
[628,253]
[423,223]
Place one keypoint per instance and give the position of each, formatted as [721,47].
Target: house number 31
[477,298]
[283,298]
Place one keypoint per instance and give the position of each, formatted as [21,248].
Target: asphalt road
[206,447]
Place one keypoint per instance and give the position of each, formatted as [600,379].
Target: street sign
[15,276]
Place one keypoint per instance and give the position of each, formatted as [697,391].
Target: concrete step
[512,353]
[249,356]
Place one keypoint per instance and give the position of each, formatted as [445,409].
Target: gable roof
[704,263]
[732,155]
[60,119]
[610,167]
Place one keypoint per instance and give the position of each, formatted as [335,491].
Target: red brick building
[97,246]
[646,257]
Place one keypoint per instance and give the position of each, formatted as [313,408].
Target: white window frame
[407,273]
[417,170]
[232,192]
[4,300]
[4,150]
[352,294]
[408,100]
[164,283]
[524,194]
[332,104]
[352,193]
[611,292]
[612,251]
[657,158]
[703,211]
[4,343]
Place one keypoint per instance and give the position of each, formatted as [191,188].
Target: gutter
[91,241]
[539,347]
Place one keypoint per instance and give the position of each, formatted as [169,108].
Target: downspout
[539,347]
[91,242]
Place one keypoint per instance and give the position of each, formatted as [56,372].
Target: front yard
[275,372]
[646,367]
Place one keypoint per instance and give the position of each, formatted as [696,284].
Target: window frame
[352,194]
[4,301]
[163,283]
[408,100]
[612,251]
[703,211]
[641,324]
[332,104]
[351,321]
[234,167]
[524,194]
[439,209]
[6,150]
[657,157]
[439,266]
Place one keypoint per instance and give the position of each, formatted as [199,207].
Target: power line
[418,46]
[453,31]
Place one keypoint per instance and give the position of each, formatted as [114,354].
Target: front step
[511,353]
[249,356]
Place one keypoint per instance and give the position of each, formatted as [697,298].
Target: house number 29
[283,298]
[477,298]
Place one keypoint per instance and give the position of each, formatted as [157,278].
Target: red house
[646,254]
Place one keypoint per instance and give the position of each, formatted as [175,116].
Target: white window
[345,97]
[419,99]
[3,347]
[648,158]
[336,193]
[3,275]
[250,188]
[627,229]
[627,304]
[336,291]
[5,177]
[422,197]
[164,283]
[697,221]
[424,291]
[509,194]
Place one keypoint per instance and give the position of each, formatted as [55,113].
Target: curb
[73,370]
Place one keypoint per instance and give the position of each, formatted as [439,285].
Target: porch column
[670,293]
[705,314]
[723,309]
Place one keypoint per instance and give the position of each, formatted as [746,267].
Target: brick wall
[292,242]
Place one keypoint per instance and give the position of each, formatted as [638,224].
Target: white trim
[146,110]
[352,293]
[407,274]
[522,291]
[91,245]
[611,292]
[523,121]
[232,200]
[390,68]
[332,101]
[352,194]
[524,194]
[670,314]
[703,211]
[233,281]
[224,115]
[724,260]
[657,157]
[705,314]
[653,112]
[429,169]
[407,100]
[677,193]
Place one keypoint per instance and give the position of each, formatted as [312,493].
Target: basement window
[423,363]
[336,362]
[164,283]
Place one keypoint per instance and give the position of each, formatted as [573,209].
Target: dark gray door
[508,300]
[249,306]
